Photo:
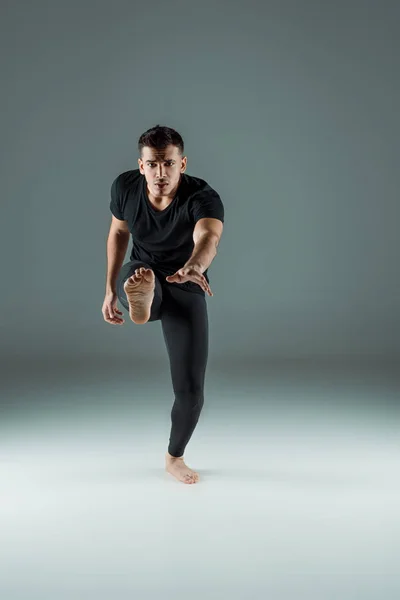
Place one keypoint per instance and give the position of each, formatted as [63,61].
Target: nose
[161,171]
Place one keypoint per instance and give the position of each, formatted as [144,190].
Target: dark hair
[160,137]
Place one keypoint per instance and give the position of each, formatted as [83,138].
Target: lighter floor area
[298,498]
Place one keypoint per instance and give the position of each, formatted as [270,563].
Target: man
[176,222]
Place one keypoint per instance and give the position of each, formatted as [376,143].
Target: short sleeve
[116,199]
[207,203]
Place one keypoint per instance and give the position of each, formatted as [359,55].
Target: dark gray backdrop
[289,109]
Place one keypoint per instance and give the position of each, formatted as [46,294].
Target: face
[162,166]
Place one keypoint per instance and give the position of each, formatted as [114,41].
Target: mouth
[161,185]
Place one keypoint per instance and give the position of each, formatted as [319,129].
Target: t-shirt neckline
[149,204]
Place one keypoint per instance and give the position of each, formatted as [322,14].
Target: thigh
[127,270]
[184,322]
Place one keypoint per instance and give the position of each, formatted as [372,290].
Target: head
[161,159]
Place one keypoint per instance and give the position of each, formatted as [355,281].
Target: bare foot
[178,469]
[139,290]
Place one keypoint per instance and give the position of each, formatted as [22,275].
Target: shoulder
[204,200]
[197,186]
[126,180]
[121,189]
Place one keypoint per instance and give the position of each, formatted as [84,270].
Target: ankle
[170,457]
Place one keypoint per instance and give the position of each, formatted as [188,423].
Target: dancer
[176,222]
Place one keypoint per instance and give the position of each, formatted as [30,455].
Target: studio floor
[298,498]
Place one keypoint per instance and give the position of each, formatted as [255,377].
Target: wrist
[194,265]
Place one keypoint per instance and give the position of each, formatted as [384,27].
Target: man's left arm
[206,236]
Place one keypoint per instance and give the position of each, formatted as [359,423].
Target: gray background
[288,109]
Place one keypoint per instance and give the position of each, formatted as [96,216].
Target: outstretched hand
[190,274]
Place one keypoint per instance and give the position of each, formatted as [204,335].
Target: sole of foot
[139,290]
[177,468]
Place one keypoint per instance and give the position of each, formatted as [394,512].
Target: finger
[107,316]
[205,284]
[208,289]
[113,316]
[114,320]
[201,283]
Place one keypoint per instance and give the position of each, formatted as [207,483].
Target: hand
[110,309]
[190,274]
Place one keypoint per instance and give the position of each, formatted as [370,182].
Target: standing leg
[184,322]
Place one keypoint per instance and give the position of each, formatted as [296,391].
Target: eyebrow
[163,160]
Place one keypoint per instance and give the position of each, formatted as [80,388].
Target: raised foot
[177,468]
[139,290]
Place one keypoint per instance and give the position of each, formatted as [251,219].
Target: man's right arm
[117,244]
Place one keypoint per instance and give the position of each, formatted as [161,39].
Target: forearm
[117,244]
[204,252]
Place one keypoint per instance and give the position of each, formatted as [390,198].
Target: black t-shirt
[164,239]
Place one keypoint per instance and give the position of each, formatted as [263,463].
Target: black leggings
[184,321]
